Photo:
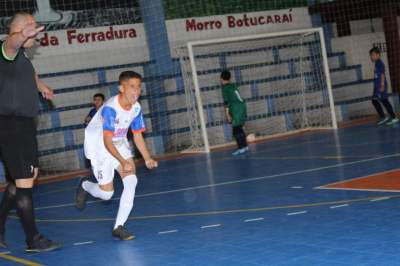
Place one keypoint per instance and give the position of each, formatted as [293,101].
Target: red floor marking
[386,181]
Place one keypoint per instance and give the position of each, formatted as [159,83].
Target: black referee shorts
[18,146]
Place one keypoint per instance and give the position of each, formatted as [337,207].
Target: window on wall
[198,8]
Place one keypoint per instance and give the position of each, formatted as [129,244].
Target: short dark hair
[375,50]
[16,16]
[100,95]
[129,75]
[226,75]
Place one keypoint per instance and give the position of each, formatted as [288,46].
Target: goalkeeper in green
[235,111]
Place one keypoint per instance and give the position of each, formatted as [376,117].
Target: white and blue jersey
[115,120]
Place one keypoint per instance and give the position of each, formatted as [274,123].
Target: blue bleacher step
[346,74]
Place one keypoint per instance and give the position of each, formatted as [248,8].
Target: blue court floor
[260,209]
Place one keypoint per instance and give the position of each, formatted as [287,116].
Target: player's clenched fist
[150,164]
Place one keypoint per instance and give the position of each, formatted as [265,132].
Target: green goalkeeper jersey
[235,104]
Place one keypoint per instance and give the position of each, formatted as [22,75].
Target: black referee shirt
[18,89]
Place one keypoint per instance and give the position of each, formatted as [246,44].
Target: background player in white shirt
[107,147]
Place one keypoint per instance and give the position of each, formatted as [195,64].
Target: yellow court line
[221,212]
[19,260]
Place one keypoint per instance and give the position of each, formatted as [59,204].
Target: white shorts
[104,164]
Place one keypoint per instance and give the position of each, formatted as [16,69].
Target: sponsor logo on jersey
[121,132]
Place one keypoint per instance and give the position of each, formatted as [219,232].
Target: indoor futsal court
[199,132]
[314,199]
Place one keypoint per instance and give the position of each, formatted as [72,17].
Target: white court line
[339,206]
[167,232]
[297,187]
[296,213]
[253,220]
[237,181]
[379,199]
[210,226]
[5,252]
[359,189]
[83,243]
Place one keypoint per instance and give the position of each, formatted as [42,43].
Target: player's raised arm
[20,33]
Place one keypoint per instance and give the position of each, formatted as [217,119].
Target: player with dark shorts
[19,105]
[380,95]
[235,111]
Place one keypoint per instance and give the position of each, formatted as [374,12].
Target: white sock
[126,201]
[95,190]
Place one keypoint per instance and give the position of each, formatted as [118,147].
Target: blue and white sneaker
[392,121]
[240,151]
[383,121]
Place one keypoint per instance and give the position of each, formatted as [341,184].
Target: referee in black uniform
[19,105]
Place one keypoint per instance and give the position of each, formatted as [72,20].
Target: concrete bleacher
[347,82]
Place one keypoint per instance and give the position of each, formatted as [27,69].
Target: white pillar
[45,13]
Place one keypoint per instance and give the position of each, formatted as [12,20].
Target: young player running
[235,111]
[107,147]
